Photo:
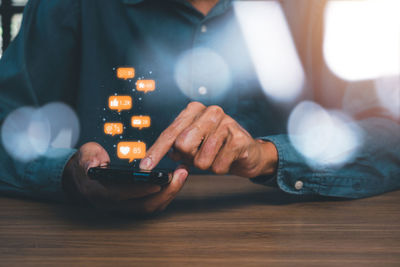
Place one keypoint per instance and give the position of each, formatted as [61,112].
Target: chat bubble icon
[141,122]
[113,128]
[146,85]
[119,103]
[126,73]
[131,150]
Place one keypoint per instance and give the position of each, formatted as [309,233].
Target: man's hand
[131,198]
[209,139]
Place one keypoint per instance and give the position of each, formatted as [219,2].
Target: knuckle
[183,146]
[214,109]
[218,169]
[252,173]
[228,122]
[195,105]
[201,164]
[236,143]
[90,148]
[238,140]
[91,144]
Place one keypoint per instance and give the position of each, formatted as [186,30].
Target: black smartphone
[126,175]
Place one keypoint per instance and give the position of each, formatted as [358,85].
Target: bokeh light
[25,134]
[272,48]
[362,38]
[29,132]
[64,124]
[325,138]
[201,72]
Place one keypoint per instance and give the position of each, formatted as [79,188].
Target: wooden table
[220,221]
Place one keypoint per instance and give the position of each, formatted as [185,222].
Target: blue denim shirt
[68,51]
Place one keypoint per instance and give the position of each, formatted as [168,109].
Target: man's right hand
[137,199]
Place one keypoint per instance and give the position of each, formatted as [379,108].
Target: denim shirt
[68,51]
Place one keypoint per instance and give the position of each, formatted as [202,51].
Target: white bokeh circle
[202,72]
[325,138]
[29,132]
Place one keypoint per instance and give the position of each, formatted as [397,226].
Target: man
[66,51]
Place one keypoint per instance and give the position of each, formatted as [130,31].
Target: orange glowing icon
[126,73]
[113,128]
[146,85]
[122,102]
[131,150]
[141,122]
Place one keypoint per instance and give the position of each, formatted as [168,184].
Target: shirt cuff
[44,174]
[293,174]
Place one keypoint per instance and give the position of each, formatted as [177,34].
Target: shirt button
[298,185]
[202,90]
[203,28]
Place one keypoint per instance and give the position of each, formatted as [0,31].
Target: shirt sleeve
[373,170]
[40,66]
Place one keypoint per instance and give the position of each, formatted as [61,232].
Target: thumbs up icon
[120,103]
[114,103]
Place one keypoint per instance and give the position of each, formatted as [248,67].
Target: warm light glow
[271,47]
[362,38]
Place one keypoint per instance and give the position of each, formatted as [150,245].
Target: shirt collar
[225,2]
[132,2]
[222,6]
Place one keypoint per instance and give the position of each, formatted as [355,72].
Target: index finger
[167,138]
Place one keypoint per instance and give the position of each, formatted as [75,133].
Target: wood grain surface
[223,221]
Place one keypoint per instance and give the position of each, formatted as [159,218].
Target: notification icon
[131,150]
[146,85]
[113,128]
[141,122]
[120,103]
[126,73]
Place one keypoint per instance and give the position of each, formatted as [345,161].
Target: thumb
[179,178]
[93,155]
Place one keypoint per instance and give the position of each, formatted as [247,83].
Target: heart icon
[124,150]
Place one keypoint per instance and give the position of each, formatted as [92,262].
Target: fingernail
[182,177]
[145,164]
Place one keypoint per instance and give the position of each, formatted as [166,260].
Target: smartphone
[126,175]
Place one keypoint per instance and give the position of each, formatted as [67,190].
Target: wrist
[269,156]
